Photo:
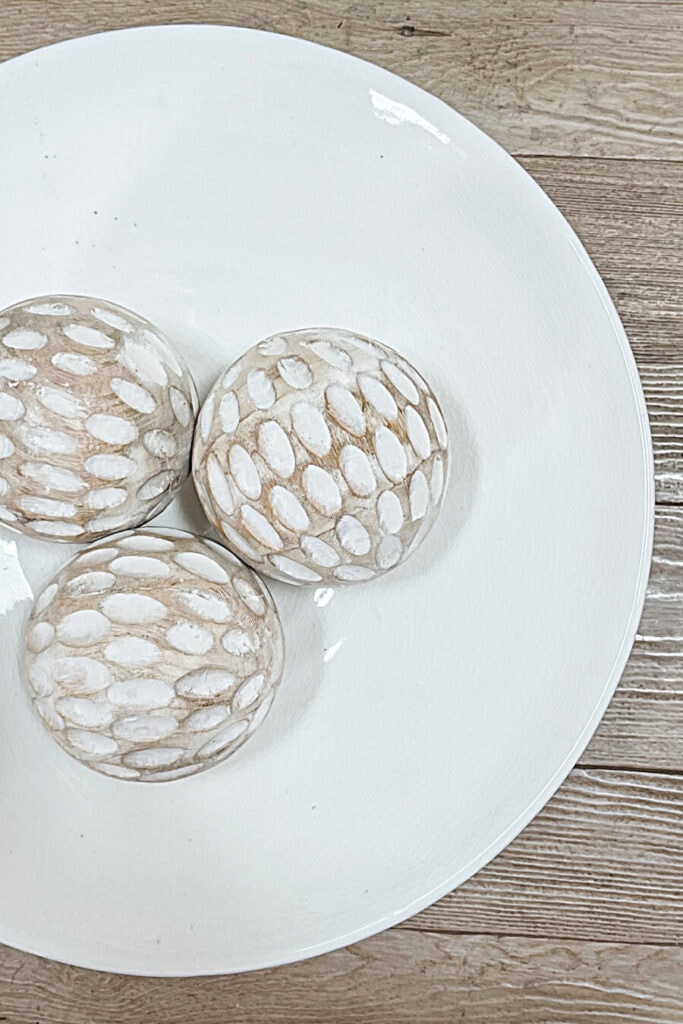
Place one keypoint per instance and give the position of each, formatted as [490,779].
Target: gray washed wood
[629,215]
[662,618]
[643,725]
[603,861]
[541,76]
[400,976]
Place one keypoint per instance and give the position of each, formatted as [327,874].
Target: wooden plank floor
[581,918]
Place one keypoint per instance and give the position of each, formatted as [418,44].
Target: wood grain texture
[603,860]
[629,215]
[400,976]
[541,76]
[662,618]
[643,725]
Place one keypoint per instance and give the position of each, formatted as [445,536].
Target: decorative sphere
[321,457]
[153,655]
[96,418]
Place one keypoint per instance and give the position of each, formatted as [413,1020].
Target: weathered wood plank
[561,77]
[663,387]
[603,860]
[643,726]
[629,215]
[401,976]
[662,618]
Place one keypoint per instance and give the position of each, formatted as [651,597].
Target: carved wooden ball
[96,418]
[153,655]
[321,457]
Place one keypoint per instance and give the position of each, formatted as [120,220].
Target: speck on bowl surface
[247,184]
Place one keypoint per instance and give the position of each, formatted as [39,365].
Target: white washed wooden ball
[153,655]
[96,418]
[321,456]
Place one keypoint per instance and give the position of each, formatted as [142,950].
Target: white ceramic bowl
[229,184]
